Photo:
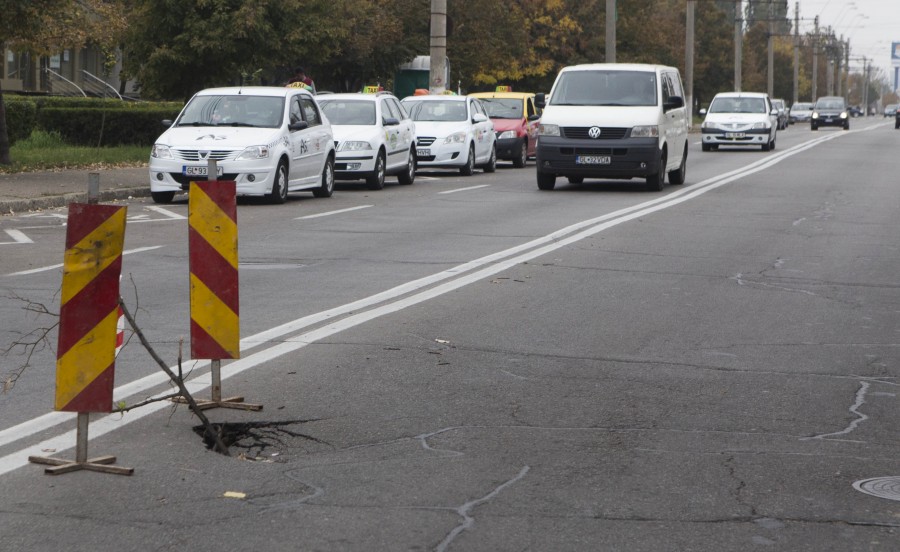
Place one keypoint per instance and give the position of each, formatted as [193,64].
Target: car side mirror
[774,112]
[674,102]
[534,117]
[390,121]
[299,125]
[702,111]
[479,118]
[540,100]
[166,122]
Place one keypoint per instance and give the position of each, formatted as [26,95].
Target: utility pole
[815,72]
[839,67]
[738,36]
[796,97]
[610,31]
[770,62]
[689,61]
[437,77]
[847,67]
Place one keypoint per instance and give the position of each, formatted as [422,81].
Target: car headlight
[761,125]
[815,115]
[710,125]
[351,145]
[649,131]
[254,152]
[548,130]
[843,115]
[506,135]
[456,138]
[160,151]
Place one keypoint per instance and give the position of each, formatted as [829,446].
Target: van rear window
[617,88]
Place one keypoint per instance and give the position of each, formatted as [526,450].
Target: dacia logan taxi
[516,121]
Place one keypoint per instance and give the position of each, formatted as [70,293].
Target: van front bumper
[620,158]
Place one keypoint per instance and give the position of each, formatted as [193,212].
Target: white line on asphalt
[166,212]
[465,189]
[18,236]
[56,266]
[462,275]
[329,213]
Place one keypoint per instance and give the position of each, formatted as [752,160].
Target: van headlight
[548,130]
[160,151]
[254,152]
[649,131]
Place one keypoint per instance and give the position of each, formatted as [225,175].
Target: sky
[871,25]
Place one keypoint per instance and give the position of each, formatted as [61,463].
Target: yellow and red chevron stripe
[85,361]
[212,239]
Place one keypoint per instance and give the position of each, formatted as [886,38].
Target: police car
[374,137]
[516,120]
[270,140]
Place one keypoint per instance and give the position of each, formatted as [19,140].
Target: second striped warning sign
[213,243]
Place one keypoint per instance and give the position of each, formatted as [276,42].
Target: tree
[48,26]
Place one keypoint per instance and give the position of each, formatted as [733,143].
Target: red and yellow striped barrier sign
[212,219]
[89,312]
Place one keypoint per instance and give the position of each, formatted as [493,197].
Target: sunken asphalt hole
[254,439]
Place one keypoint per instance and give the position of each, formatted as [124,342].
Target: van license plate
[188,170]
[734,135]
[592,160]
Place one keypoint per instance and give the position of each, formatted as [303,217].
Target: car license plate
[734,135]
[423,152]
[592,160]
[188,170]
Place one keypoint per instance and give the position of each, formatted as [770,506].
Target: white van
[613,120]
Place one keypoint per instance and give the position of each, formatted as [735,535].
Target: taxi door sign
[213,251]
[89,308]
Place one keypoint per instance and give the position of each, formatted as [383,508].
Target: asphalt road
[473,364]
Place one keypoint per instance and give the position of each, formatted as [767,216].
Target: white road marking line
[461,275]
[465,189]
[329,213]
[56,266]
[166,212]
[18,236]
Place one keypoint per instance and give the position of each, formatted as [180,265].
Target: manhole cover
[882,487]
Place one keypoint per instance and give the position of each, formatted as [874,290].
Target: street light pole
[689,60]
[610,31]
[738,35]
[437,77]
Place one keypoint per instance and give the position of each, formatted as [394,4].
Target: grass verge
[44,151]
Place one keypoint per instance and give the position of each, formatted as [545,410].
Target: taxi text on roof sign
[372,89]
[503,89]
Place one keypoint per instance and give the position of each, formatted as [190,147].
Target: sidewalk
[22,192]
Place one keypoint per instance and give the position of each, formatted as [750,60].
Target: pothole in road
[256,439]
[882,487]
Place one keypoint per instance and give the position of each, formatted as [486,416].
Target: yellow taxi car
[515,119]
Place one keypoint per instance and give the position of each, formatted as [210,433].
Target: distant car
[452,132]
[897,119]
[739,119]
[800,112]
[781,106]
[855,111]
[830,111]
[374,137]
[890,110]
[516,121]
[270,140]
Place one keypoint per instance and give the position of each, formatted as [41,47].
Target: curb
[12,206]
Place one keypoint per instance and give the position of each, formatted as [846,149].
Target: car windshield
[830,104]
[250,111]
[349,112]
[802,107]
[436,110]
[738,105]
[503,108]
[624,88]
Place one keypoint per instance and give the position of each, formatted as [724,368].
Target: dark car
[856,111]
[830,111]
[897,119]
[782,113]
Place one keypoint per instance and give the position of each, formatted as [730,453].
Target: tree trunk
[4,135]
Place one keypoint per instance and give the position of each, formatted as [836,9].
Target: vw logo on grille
[594,132]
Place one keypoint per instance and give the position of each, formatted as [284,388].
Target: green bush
[110,126]
[21,118]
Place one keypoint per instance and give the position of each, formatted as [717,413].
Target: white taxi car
[453,132]
[270,140]
[739,119]
[375,137]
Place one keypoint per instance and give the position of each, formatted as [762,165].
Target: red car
[515,119]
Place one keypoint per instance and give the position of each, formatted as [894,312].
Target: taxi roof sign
[503,89]
[372,89]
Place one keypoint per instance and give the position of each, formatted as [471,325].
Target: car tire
[847,125]
[491,165]
[376,180]
[705,147]
[469,168]
[656,182]
[546,181]
[162,197]
[677,176]
[896,124]
[408,176]
[521,158]
[813,127]
[575,179]
[327,187]
[772,143]
[279,192]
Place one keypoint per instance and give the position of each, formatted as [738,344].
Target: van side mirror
[674,102]
[540,100]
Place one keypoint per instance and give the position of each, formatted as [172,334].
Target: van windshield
[627,88]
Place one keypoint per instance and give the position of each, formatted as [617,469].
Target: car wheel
[772,143]
[896,125]
[705,147]
[677,176]
[546,181]
[575,179]
[279,192]
[656,182]
[847,125]
[327,187]
[522,158]
[813,127]
[469,168]
[408,176]
[376,181]
[492,162]
[162,197]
